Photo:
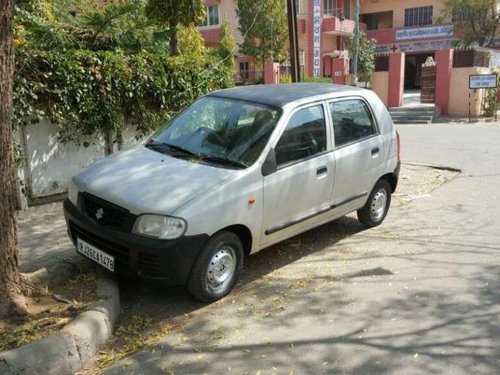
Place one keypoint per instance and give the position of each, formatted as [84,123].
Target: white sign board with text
[424,32]
[483,81]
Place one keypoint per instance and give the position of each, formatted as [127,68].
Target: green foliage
[285,78]
[90,93]
[104,68]
[226,46]
[478,20]
[264,27]
[317,80]
[490,104]
[173,13]
[191,41]
[366,57]
[117,26]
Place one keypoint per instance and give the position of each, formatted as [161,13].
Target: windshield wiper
[171,147]
[223,161]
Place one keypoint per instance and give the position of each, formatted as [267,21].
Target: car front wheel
[217,268]
[375,210]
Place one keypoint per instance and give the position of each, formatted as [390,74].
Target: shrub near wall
[90,93]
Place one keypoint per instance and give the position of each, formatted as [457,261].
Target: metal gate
[428,82]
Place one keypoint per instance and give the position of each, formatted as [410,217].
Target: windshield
[218,130]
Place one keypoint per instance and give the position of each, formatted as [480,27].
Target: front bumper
[167,260]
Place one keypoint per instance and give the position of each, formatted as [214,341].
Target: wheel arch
[392,179]
[243,233]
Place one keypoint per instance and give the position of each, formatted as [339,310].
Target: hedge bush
[91,93]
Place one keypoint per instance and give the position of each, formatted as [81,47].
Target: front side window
[304,136]
[218,130]
[352,121]
[212,18]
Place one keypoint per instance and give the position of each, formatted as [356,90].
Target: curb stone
[73,348]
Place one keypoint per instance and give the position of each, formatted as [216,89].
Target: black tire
[372,214]
[221,253]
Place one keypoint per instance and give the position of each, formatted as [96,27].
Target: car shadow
[160,301]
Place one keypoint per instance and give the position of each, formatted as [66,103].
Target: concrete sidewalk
[44,242]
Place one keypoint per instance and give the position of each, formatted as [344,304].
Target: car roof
[282,94]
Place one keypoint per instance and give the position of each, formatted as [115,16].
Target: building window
[347,9]
[212,18]
[330,7]
[243,70]
[418,16]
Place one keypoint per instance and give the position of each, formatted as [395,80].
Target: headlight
[162,227]
[72,192]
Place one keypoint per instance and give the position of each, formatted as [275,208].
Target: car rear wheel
[375,210]
[217,268]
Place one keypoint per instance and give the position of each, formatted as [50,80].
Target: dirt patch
[418,181]
[51,311]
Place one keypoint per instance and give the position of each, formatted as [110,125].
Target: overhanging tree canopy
[263,25]
[173,13]
[477,20]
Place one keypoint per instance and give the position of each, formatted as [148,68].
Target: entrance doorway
[413,69]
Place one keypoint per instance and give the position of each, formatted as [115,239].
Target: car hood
[146,181]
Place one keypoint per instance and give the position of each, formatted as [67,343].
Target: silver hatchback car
[237,171]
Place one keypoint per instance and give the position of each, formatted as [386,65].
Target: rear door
[300,188]
[358,150]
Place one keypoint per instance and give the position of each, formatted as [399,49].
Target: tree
[226,46]
[477,20]
[173,13]
[366,57]
[263,25]
[13,287]
[191,41]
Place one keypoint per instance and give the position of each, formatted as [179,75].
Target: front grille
[103,212]
[149,265]
[120,253]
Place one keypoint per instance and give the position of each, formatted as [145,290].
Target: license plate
[98,256]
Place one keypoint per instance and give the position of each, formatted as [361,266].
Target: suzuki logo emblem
[99,214]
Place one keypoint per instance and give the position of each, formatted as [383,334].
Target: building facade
[408,26]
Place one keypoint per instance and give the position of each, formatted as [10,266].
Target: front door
[300,189]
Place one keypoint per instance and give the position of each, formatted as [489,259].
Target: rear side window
[352,121]
[304,136]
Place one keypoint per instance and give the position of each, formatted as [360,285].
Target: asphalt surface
[418,295]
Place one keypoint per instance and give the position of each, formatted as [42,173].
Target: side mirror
[269,166]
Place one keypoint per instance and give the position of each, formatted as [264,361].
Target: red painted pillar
[340,69]
[444,64]
[271,73]
[396,79]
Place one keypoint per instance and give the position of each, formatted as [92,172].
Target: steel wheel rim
[378,205]
[221,268]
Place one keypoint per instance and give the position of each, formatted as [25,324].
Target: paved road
[417,295]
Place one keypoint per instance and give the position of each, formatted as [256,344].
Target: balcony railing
[333,25]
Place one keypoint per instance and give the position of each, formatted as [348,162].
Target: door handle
[321,170]
[375,150]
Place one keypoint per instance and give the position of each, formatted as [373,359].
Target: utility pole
[356,46]
[294,40]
